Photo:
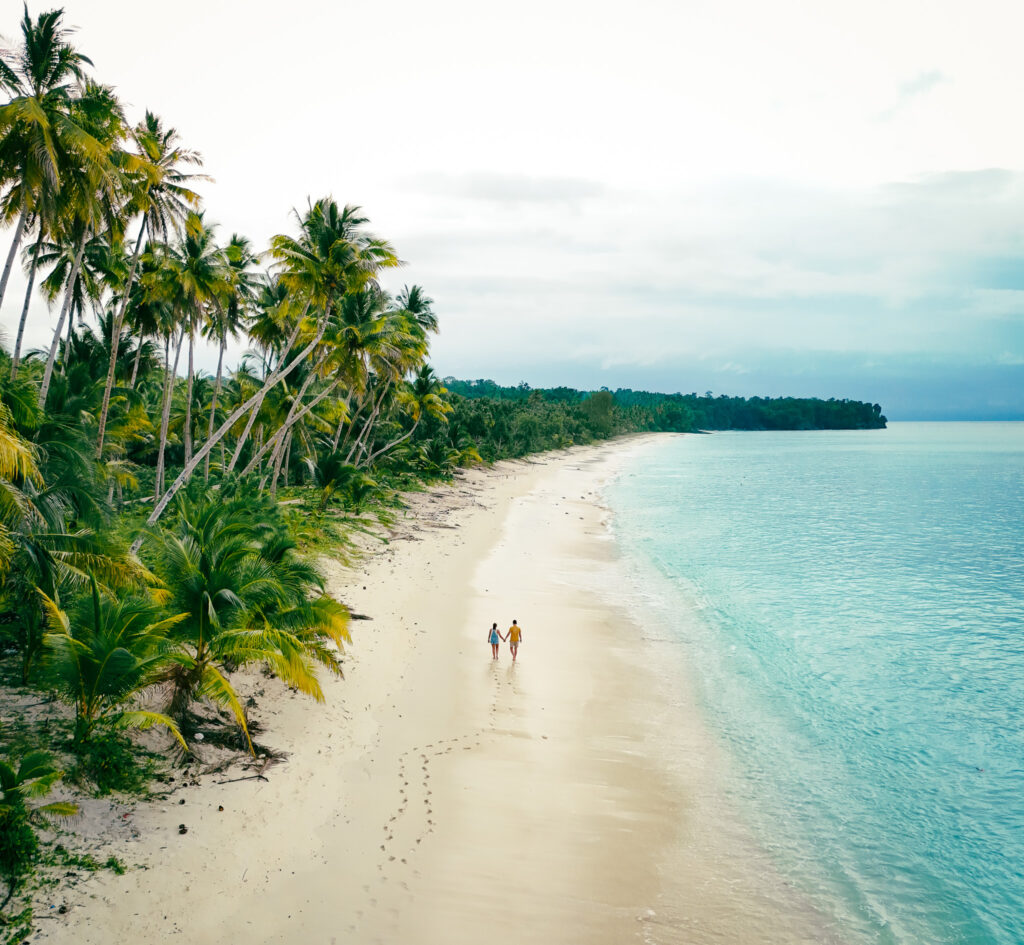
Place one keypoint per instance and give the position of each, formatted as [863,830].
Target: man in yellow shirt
[514,637]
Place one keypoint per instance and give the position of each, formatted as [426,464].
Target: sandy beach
[442,797]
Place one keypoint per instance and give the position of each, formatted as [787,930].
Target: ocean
[851,608]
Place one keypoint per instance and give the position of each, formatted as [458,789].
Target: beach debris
[182,828]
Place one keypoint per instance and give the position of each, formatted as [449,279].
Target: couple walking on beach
[514,637]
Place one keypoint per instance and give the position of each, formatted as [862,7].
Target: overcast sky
[808,198]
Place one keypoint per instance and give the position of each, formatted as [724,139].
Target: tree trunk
[352,421]
[213,406]
[165,419]
[288,457]
[310,377]
[364,434]
[135,366]
[337,434]
[19,231]
[276,465]
[44,388]
[290,422]
[188,396]
[392,444]
[222,430]
[16,357]
[115,339]
[66,357]
[258,401]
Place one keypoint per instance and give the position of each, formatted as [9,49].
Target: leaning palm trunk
[363,438]
[288,457]
[165,419]
[213,407]
[223,429]
[390,446]
[257,401]
[69,292]
[337,434]
[16,357]
[287,426]
[300,394]
[135,365]
[276,465]
[66,356]
[351,423]
[19,231]
[188,397]
[115,339]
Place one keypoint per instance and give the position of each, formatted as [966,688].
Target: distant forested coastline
[514,421]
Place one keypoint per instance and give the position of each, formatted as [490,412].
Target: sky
[787,198]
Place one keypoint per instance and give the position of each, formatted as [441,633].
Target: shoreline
[441,797]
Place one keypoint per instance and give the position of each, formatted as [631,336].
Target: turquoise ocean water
[851,605]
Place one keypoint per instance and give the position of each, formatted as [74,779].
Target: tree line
[509,421]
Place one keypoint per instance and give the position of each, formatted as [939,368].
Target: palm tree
[331,474]
[163,197]
[92,198]
[102,655]
[59,255]
[246,599]
[41,137]
[424,396]
[33,778]
[331,257]
[148,311]
[45,506]
[17,465]
[226,321]
[197,283]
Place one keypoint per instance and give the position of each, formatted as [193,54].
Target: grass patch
[61,856]
[110,763]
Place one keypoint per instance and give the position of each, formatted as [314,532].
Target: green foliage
[103,655]
[62,856]
[18,848]
[109,763]
[31,779]
[513,421]
[244,598]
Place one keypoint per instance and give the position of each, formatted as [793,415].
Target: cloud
[991,183]
[910,91]
[507,188]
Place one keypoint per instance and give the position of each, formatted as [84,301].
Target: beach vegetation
[23,783]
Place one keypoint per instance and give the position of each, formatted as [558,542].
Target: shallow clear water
[852,606]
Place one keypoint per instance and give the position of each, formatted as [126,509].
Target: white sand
[440,797]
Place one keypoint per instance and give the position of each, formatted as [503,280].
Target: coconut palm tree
[333,255]
[102,654]
[423,397]
[42,139]
[227,320]
[197,283]
[49,512]
[33,778]
[246,599]
[163,196]
[92,199]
